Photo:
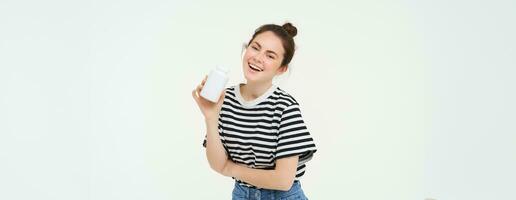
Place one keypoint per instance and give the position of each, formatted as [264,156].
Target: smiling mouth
[255,68]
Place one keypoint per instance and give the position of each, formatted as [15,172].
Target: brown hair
[286,33]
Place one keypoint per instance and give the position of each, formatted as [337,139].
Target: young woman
[255,132]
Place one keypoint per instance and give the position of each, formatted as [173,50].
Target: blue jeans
[246,193]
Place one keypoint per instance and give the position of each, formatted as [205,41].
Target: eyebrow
[260,46]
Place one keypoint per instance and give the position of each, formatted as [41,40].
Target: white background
[406,100]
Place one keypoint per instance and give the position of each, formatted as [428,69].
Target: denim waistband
[262,193]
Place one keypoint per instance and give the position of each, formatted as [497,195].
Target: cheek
[246,55]
[272,64]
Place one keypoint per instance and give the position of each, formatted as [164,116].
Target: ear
[244,49]
[282,69]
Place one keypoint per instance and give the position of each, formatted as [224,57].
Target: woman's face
[263,57]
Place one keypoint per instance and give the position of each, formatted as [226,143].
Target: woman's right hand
[209,109]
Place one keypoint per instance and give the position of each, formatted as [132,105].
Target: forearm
[215,151]
[270,179]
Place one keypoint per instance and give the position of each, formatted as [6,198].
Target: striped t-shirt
[257,133]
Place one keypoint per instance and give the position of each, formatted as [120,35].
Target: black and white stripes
[259,132]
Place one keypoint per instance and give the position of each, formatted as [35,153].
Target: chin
[250,78]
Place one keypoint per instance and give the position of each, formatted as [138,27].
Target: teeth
[254,67]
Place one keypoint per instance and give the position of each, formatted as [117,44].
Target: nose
[259,57]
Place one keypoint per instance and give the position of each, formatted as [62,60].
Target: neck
[251,90]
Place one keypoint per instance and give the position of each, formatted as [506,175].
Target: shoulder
[230,90]
[230,95]
[285,96]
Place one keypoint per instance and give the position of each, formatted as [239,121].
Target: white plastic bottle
[215,83]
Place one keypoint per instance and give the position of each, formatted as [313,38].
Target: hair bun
[291,29]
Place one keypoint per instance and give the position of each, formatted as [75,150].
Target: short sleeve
[294,138]
[204,142]
[221,139]
[206,136]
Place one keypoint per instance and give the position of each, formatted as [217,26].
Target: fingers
[200,86]
[194,93]
[204,81]
[197,90]
[195,96]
